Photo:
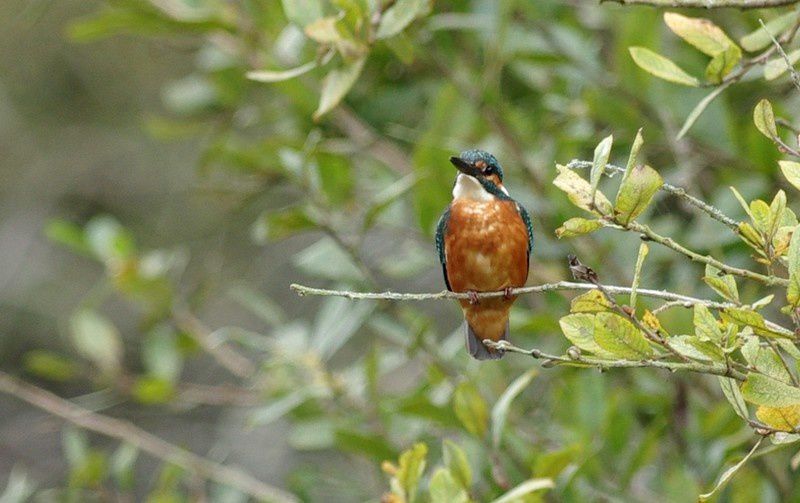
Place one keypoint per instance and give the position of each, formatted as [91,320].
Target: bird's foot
[508,292]
[473,297]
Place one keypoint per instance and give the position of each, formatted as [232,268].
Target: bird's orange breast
[486,246]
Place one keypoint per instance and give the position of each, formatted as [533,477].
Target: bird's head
[483,167]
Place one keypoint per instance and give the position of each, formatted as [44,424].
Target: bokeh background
[154,200]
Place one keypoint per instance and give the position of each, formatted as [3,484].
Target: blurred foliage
[333,121]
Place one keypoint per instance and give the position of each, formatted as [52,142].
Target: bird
[484,241]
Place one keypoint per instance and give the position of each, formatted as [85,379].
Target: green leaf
[337,321]
[723,284]
[635,148]
[363,442]
[385,198]
[579,329]
[325,259]
[636,192]
[776,67]
[123,462]
[444,489]
[637,273]
[336,177]
[48,365]
[661,67]
[764,118]
[275,225]
[324,30]
[411,466]
[793,264]
[782,418]
[761,218]
[456,461]
[791,170]
[592,301]
[281,75]
[730,388]
[96,338]
[776,209]
[579,192]
[764,390]
[471,409]
[67,234]
[760,38]
[729,473]
[152,390]
[108,240]
[577,227]
[601,155]
[620,337]
[747,318]
[500,409]
[399,16]
[302,12]
[161,355]
[530,486]
[765,360]
[337,84]
[722,64]
[701,33]
[705,325]
[691,347]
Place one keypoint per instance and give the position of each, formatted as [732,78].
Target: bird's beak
[465,167]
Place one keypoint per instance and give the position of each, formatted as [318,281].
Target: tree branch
[680,192]
[651,235]
[132,434]
[681,300]
[708,4]
[236,363]
[577,359]
[675,299]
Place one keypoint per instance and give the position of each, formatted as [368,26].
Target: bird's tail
[478,350]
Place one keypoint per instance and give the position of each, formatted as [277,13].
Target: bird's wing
[441,229]
[523,213]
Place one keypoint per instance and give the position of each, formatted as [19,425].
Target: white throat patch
[468,187]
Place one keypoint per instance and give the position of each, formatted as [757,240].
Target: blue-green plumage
[441,229]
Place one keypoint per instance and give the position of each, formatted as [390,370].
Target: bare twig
[132,434]
[684,300]
[651,235]
[577,359]
[227,357]
[676,298]
[794,74]
[708,4]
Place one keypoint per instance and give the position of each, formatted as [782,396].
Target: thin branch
[675,299]
[684,300]
[132,434]
[680,192]
[789,66]
[708,4]
[651,235]
[577,359]
[236,363]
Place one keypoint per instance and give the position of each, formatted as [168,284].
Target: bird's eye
[489,170]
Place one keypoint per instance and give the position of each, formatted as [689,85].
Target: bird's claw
[473,297]
[508,292]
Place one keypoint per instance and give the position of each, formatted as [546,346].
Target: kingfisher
[484,240]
